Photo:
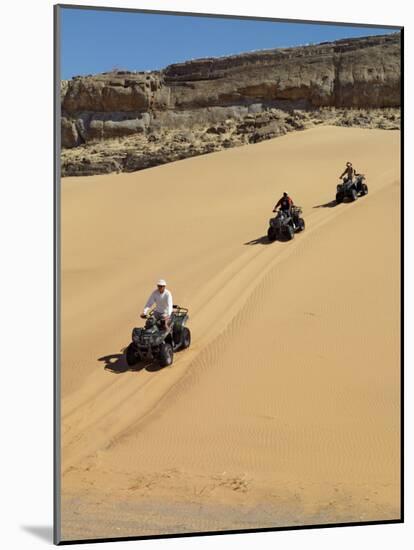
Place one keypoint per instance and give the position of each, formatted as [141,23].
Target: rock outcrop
[241,98]
[362,72]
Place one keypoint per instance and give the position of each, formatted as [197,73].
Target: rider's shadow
[116,363]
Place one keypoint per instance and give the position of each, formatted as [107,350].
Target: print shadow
[43,532]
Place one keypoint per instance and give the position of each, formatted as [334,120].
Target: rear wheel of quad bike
[353,195]
[301,224]
[185,338]
[166,355]
[132,355]
[339,198]
[271,235]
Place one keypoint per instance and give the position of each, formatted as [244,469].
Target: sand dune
[286,407]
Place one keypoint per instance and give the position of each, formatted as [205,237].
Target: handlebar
[151,313]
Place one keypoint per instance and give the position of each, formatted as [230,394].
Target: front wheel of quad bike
[289,232]
[339,198]
[301,224]
[271,235]
[185,338]
[353,195]
[166,355]
[132,355]
[364,190]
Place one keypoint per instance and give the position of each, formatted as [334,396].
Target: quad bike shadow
[117,364]
[260,240]
[330,204]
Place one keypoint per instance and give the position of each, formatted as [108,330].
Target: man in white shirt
[162,299]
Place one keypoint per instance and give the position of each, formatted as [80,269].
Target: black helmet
[285,194]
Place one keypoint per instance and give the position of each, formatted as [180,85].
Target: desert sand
[285,410]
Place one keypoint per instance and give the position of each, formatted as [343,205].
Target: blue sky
[94,41]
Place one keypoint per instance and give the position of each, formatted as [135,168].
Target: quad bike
[284,225]
[351,189]
[158,339]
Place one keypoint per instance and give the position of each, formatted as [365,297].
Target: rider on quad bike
[349,172]
[163,301]
[288,220]
[353,185]
[285,203]
[164,332]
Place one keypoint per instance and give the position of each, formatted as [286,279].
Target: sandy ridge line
[182,375]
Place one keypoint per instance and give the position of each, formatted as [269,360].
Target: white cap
[161,282]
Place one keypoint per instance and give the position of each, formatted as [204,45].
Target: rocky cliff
[241,98]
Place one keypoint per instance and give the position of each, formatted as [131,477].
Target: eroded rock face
[363,72]
[114,92]
[241,93]
[70,135]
